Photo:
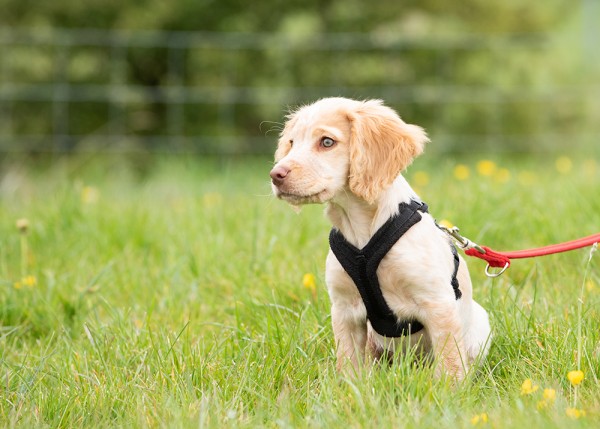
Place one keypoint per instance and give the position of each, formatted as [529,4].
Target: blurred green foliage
[407,16]
[477,74]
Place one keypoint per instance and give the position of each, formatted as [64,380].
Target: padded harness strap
[361,265]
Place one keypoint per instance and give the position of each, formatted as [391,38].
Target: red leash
[502,259]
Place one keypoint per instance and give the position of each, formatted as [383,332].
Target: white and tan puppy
[350,154]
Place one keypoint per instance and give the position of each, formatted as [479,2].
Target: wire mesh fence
[97,90]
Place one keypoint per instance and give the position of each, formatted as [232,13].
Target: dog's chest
[396,286]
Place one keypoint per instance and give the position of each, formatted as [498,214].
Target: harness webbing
[454,281]
[361,265]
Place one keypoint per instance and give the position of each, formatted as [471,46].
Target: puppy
[350,154]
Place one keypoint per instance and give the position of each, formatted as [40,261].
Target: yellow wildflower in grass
[310,283]
[589,285]
[549,395]
[564,165]
[479,419]
[461,172]
[421,179]
[575,377]
[486,167]
[29,281]
[574,413]
[502,175]
[527,388]
[446,223]
[89,195]
[22,225]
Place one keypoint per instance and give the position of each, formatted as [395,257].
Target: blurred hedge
[505,75]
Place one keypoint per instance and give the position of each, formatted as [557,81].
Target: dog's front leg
[350,332]
[445,330]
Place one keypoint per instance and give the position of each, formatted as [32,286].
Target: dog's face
[340,145]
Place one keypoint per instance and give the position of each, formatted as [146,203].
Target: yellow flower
[421,178]
[308,280]
[479,418]
[589,285]
[30,281]
[89,195]
[461,172]
[549,398]
[310,283]
[22,225]
[446,223]
[549,395]
[564,164]
[574,413]
[486,167]
[527,388]
[575,377]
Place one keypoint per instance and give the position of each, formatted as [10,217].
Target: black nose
[278,175]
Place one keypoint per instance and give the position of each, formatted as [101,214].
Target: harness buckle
[463,242]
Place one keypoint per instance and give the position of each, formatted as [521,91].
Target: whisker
[277,126]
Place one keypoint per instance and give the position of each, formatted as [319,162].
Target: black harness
[361,265]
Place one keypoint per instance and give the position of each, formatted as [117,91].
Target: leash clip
[463,242]
[498,274]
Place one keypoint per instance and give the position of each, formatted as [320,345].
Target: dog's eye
[291,143]
[327,142]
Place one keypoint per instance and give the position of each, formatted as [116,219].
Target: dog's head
[341,145]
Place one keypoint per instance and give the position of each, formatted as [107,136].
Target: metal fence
[94,90]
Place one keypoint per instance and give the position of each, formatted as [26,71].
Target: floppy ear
[381,146]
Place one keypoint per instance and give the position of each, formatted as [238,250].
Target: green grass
[172,296]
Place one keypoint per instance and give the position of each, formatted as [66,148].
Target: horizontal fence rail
[223,93]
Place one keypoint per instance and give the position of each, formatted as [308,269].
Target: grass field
[173,296]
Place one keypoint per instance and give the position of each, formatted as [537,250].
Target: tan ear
[381,146]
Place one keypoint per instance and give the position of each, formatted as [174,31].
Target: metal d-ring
[498,274]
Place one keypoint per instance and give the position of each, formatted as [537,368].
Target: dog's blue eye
[327,142]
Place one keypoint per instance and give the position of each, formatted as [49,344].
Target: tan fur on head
[369,145]
[381,146]
[283,147]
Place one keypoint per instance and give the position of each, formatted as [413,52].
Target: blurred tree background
[205,76]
